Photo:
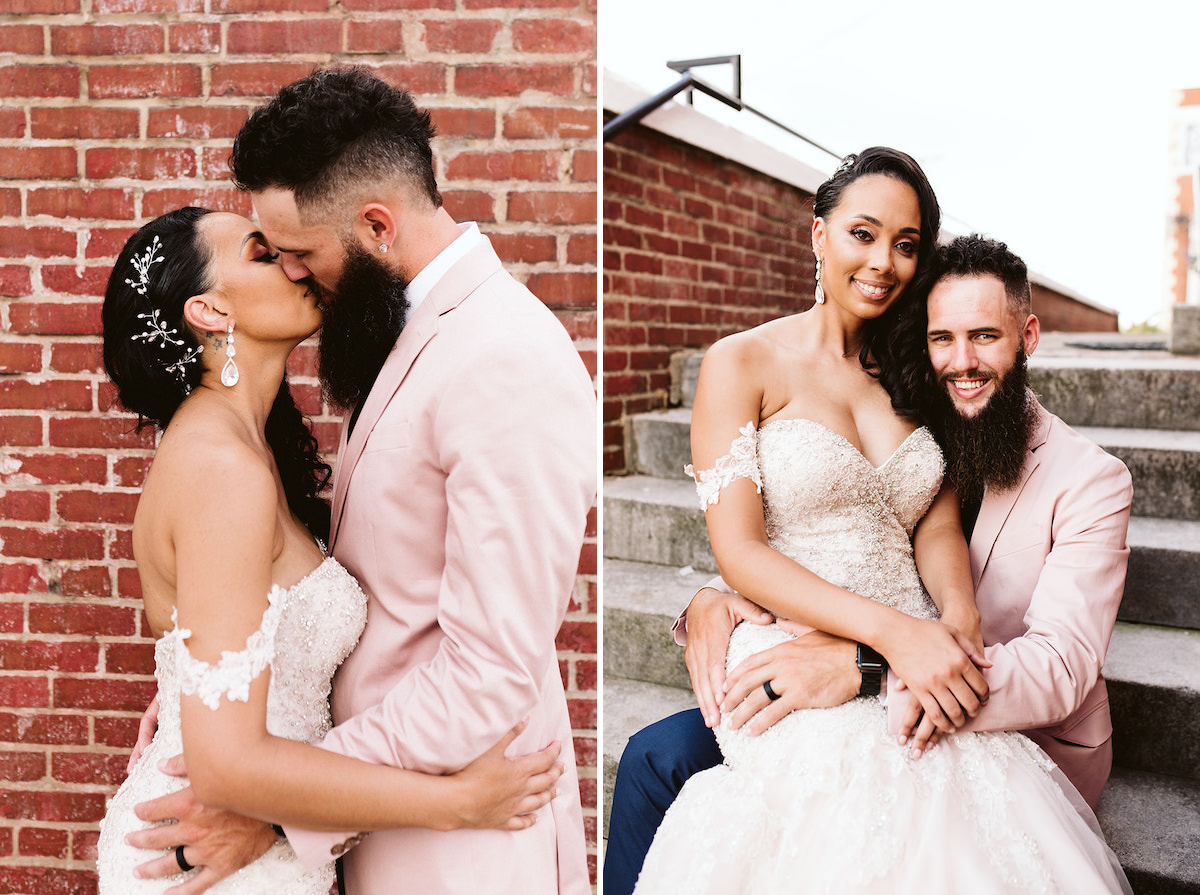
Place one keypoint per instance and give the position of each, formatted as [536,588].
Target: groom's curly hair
[331,131]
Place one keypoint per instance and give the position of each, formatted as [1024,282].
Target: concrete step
[658,520]
[1153,672]
[1133,389]
[1165,465]
[1151,821]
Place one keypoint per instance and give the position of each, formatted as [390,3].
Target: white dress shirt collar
[422,284]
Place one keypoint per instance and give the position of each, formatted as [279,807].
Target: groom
[1045,512]
[465,473]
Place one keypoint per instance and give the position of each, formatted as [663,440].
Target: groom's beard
[989,448]
[363,319]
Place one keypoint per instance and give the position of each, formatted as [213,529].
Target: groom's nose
[293,268]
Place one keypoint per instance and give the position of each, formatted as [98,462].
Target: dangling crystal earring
[229,373]
[820,292]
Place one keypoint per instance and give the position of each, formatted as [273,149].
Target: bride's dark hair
[891,351]
[147,346]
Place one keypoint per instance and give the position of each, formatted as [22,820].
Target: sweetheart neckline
[846,441]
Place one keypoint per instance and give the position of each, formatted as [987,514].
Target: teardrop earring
[229,373]
[820,293]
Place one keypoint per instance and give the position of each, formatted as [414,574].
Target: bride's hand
[941,668]
[503,793]
[711,618]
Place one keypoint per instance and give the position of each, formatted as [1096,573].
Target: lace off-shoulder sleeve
[740,463]
[231,677]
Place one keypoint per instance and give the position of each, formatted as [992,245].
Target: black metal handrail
[690,82]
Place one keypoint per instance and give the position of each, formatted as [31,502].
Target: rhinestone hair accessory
[156,330]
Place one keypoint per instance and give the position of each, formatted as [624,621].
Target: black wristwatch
[872,666]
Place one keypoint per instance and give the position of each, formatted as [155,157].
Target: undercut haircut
[977,256]
[324,136]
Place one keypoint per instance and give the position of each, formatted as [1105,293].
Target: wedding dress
[826,800]
[307,630]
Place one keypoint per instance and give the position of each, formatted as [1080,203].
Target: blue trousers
[654,766]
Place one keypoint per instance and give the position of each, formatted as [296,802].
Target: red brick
[21,431]
[372,5]
[577,637]
[578,324]
[469,205]
[524,248]
[197,122]
[583,165]
[104,694]
[129,658]
[53,469]
[98,433]
[105,40]
[552,207]
[89,767]
[537,123]
[46,318]
[519,165]
[464,123]
[44,842]
[25,506]
[461,36]
[582,713]
[553,36]
[558,289]
[38,162]
[30,655]
[96,506]
[512,80]
[32,7]
[39,80]
[58,730]
[103,204]
[62,544]
[24,692]
[257,6]
[375,36]
[310,35]
[76,357]
[256,78]
[129,80]
[104,242]
[22,40]
[82,618]
[23,766]
[60,806]
[156,202]
[103,7]
[20,357]
[119,732]
[194,37]
[520,4]
[141,163]
[12,127]
[581,248]
[14,281]
[64,394]
[48,880]
[416,77]
[90,581]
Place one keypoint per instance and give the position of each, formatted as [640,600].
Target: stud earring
[383,248]
[229,373]
[820,293]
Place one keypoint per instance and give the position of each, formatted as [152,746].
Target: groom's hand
[817,670]
[711,618]
[218,843]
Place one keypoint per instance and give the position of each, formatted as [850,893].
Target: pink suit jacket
[1049,558]
[460,503]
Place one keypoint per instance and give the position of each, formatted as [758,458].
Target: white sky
[1040,122]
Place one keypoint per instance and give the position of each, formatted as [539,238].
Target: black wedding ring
[181,860]
[771,694]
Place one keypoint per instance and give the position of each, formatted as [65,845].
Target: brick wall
[1061,313]
[695,247]
[112,111]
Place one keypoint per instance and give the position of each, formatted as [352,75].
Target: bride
[251,618]
[823,500]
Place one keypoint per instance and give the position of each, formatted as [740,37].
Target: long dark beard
[988,449]
[363,319]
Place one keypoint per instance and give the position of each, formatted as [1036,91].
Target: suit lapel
[997,506]
[459,281]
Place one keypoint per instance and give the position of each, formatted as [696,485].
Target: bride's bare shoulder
[751,349]
[209,454]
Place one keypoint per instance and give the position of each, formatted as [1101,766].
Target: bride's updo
[155,359]
[894,349]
